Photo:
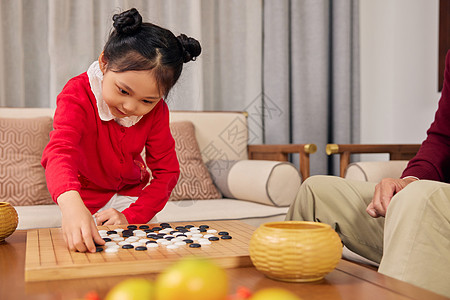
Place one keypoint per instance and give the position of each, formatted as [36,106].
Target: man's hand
[110,216]
[78,226]
[384,191]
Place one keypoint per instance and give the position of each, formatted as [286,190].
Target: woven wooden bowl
[295,251]
[8,220]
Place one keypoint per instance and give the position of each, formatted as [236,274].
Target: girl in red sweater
[104,119]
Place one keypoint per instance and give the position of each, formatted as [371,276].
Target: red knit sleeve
[432,162]
[61,156]
[162,160]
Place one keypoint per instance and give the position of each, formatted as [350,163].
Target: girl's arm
[78,227]
[162,160]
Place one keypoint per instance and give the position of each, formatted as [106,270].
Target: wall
[399,61]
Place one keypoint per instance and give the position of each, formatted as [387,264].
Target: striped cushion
[195,181]
[22,142]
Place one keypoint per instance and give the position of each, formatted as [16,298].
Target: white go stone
[172,246]
[204,242]
[159,241]
[118,239]
[114,235]
[180,243]
[107,244]
[111,250]
[193,229]
[207,236]
[152,245]
[211,231]
[199,235]
[119,230]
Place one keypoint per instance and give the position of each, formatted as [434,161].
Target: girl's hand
[384,191]
[78,227]
[110,216]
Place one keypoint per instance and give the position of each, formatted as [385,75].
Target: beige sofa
[254,191]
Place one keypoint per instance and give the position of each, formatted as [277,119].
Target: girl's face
[130,93]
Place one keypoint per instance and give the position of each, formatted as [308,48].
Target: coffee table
[347,281]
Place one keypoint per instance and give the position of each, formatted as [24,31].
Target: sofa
[222,177]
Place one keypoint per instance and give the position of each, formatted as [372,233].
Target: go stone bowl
[8,220]
[295,251]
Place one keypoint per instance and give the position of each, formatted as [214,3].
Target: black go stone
[127,234]
[179,227]
[175,231]
[151,242]
[169,237]
[188,241]
[189,226]
[107,239]
[155,237]
[144,227]
[111,232]
[132,227]
[156,228]
[195,245]
[181,236]
[202,229]
[223,233]
[213,238]
[140,248]
[98,249]
[203,226]
[148,230]
[164,224]
[183,230]
[226,237]
[127,246]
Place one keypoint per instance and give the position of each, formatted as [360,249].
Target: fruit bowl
[295,251]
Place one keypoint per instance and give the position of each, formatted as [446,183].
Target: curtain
[311,75]
[293,65]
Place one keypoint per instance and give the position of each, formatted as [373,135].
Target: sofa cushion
[195,181]
[374,171]
[22,142]
[266,182]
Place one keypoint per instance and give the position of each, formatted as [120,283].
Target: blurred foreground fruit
[192,279]
[274,294]
[132,289]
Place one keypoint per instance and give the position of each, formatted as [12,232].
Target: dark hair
[137,46]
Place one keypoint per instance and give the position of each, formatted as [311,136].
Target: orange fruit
[192,279]
[274,294]
[132,289]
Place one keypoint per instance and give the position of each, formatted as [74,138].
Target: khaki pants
[411,244]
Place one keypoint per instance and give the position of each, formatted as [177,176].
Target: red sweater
[98,158]
[432,162]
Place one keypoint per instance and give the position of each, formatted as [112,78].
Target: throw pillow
[22,142]
[267,182]
[195,181]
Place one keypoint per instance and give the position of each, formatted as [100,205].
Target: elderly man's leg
[342,204]
[417,236]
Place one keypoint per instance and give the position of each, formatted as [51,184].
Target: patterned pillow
[22,142]
[195,181]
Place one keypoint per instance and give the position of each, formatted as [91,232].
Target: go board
[48,258]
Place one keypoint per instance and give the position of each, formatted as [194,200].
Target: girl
[103,120]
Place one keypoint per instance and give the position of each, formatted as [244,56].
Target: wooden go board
[48,258]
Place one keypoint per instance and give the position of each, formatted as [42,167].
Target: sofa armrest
[281,153]
[395,151]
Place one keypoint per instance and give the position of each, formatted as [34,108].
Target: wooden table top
[347,281]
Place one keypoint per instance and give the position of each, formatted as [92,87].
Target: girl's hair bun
[190,46]
[127,22]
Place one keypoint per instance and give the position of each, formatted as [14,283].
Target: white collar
[95,79]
